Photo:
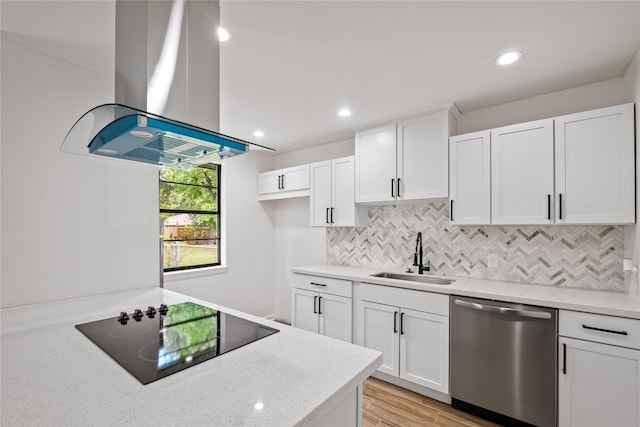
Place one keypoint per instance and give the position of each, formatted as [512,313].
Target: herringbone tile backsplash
[568,256]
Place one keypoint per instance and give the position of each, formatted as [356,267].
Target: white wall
[583,98]
[319,153]
[76,225]
[632,233]
[296,242]
[248,285]
[71,225]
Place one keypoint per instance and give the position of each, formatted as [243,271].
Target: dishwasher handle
[503,310]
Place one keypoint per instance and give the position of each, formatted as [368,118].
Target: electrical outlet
[493,261]
[336,250]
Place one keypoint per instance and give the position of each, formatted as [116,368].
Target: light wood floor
[386,405]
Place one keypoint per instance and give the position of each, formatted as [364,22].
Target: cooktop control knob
[123,318]
[151,312]
[137,315]
[163,309]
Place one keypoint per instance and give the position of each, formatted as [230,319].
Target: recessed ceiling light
[345,112]
[258,133]
[509,58]
[223,35]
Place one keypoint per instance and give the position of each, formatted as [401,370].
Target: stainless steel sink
[415,278]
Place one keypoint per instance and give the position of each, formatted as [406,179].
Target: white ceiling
[290,65]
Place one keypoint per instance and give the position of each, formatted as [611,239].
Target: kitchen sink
[415,278]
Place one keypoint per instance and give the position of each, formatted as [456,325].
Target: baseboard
[437,395]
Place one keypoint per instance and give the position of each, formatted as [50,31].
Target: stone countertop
[601,302]
[51,374]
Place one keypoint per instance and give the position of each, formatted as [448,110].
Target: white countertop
[51,374]
[601,302]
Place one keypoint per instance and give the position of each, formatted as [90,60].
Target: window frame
[217,212]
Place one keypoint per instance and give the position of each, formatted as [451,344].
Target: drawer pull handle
[318,284]
[605,330]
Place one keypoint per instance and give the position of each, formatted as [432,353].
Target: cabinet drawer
[426,302]
[326,285]
[600,328]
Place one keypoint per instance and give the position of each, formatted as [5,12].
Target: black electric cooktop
[159,342]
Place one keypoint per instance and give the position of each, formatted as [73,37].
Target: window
[190,208]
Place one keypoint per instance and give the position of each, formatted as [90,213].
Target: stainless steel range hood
[167,65]
[122,132]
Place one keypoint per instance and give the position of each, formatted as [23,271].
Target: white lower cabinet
[324,313]
[414,343]
[598,383]
[380,332]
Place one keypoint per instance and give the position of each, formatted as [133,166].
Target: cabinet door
[598,385]
[470,178]
[269,182]
[295,178]
[423,157]
[305,313]
[595,166]
[424,349]
[343,192]
[380,331]
[522,173]
[335,316]
[376,164]
[320,193]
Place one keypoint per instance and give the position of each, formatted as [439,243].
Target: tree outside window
[189,206]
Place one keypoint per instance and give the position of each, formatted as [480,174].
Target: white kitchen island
[51,374]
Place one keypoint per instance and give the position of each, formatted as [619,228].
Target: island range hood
[121,132]
[167,65]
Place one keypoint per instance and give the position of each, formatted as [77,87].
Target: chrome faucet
[417,256]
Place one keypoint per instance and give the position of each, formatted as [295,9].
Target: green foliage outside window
[189,203]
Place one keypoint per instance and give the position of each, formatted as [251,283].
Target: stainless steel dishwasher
[504,360]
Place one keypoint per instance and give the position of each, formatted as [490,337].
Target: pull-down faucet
[417,256]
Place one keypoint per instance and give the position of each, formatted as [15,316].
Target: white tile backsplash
[581,256]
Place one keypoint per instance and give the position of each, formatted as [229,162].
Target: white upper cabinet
[284,183]
[269,182]
[574,169]
[405,160]
[376,164]
[470,178]
[522,173]
[332,201]
[595,175]
[423,158]
[320,188]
